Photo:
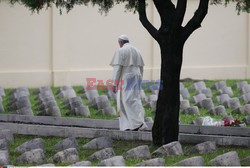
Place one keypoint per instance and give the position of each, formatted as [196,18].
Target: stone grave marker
[114,161]
[206,104]
[203,148]
[198,86]
[239,85]
[193,110]
[22,102]
[193,161]
[75,104]
[72,100]
[246,98]
[185,93]
[1,107]
[245,89]
[111,95]
[91,94]
[69,155]
[82,164]
[109,111]
[228,118]
[223,99]
[198,98]
[226,159]
[206,92]
[2,92]
[181,98]
[140,152]
[44,95]
[219,110]
[25,111]
[21,89]
[4,145]
[47,104]
[246,109]
[148,120]
[219,85]
[233,103]
[184,104]
[35,156]
[67,94]
[7,135]
[46,99]
[181,86]
[51,111]
[36,143]
[226,90]
[99,143]
[70,142]
[18,95]
[247,120]
[67,87]
[43,89]
[153,162]
[102,154]
[4,158]
[102,102]
[170,149]
[81,110]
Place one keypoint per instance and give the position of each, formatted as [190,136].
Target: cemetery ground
[218,99]
[119,147]
[95,113]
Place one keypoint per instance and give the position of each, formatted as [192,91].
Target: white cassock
[127,66]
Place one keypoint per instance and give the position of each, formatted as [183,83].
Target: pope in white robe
[127,66]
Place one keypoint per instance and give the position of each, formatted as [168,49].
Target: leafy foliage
[106,5]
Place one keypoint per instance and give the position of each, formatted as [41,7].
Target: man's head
[123,39]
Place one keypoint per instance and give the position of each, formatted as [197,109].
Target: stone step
[114,124]
[63,131]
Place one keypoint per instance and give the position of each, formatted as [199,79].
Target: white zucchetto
[124,37]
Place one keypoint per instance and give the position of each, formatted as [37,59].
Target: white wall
[53,49]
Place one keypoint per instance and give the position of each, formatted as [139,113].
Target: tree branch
[166,10]
[196,20]
[180,12]
[145,22]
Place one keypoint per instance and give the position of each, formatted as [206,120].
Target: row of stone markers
[6,137]
[203,99]
[100,103]
[47,105]
[2,94]
[33,152]
[19,101]
[73,103]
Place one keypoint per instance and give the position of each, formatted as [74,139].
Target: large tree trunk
[166,123]
[171,37]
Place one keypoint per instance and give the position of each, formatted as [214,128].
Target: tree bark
[166,123]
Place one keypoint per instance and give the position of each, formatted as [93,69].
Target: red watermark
[91,84]
[128,84]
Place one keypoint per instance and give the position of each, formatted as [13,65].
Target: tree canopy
[106,5]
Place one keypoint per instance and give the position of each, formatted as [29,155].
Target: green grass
[119,147]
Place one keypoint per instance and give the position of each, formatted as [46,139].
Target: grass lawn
[119,147]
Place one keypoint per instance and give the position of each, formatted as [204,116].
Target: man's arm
[116,76]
